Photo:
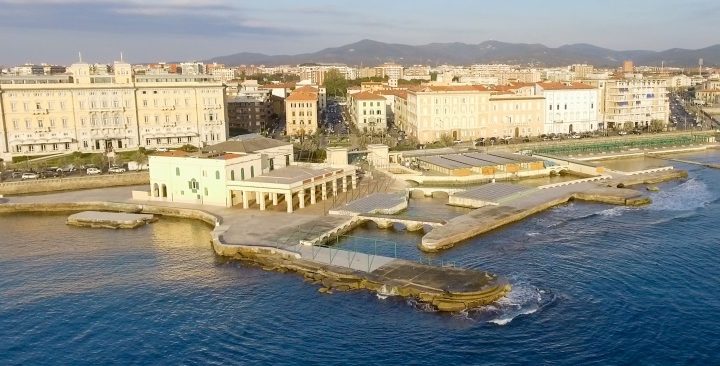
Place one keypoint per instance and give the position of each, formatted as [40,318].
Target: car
[116,169]
[50,173]
[26,176]
[68,169]
[17,174]
[93,171]
[622,133]
[162,149]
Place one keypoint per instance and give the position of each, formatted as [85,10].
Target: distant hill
[371,53]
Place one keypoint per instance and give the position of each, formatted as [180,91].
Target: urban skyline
[163,30]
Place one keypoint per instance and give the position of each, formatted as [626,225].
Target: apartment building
[709,92]
[91,110]
[368,112]
[249,107]
[467,112]
[417,72]
[569,107]
[301,111]
[390,70]
[632,102]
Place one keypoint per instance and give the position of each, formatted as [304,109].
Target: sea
[593,284]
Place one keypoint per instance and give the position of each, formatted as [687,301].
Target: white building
[569,107]
[249,170]
[368,111]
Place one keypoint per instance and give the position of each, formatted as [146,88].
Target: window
[272,164]
[206,191]
[242,173]
[177,171]
[217,174]
[287,160]
[252,171]
[232,175]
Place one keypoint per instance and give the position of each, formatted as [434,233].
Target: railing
[576,181]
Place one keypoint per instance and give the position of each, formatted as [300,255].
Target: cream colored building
[569,107]
[301,112]
[469,112]
[249,171]
[632,102]
[513,115]
[92,110]
[368,112]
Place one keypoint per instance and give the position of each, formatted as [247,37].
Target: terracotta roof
[396,92]
[563,86]
[367,96]
[304,93]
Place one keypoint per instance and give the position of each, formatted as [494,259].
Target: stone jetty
[109,220]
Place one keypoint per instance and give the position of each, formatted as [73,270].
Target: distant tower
[628,67]
[700,63]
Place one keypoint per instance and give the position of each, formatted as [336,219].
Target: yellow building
[301,112]
[92,109]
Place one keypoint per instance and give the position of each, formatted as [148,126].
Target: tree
[446,140]
[657,125]
[335,83]
[433,76]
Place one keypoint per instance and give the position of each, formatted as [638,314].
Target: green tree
[446,140]
[657,125]
[335,83]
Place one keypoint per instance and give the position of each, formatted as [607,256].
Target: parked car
[162,149]
[68,168]
[17,174]
[50,173]
[116,169]
[622,133]
[26,176]
[93,171]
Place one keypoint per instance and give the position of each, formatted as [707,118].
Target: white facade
[369,112]
[571,107]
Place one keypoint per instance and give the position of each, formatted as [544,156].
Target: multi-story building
[514,115]
[709,93]
[679,81]
[192,68]
[92,110]
[368,112]
[249,107]
[468,112]
[581,71]
[301,111]
[389,70]
[569,107]
[632,102]
[417,72]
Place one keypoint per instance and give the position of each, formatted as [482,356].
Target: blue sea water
[592,284]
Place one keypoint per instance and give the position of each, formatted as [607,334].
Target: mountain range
[371,53]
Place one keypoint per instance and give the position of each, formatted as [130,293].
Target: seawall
[448,289]
[74,183]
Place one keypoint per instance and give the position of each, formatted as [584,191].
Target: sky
[54,31]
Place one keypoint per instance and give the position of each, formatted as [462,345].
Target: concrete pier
[507,209]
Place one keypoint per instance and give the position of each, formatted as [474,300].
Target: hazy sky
[163,30]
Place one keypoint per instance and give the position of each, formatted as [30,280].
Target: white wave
[614,212]
[503,321]
[531,234]
[384,292]
[524,299]
[688,196]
